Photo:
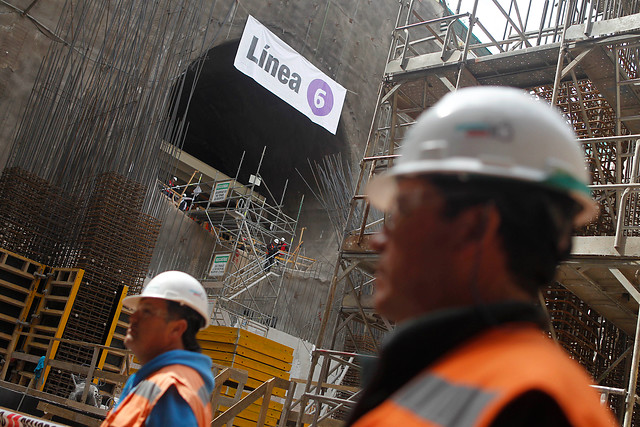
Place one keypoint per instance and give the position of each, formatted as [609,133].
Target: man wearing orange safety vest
[174,384]
[480,209]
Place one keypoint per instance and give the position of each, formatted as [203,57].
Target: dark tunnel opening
[230,113]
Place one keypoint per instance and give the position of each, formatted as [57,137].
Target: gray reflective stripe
[204,395]
[441,402]
[148,390]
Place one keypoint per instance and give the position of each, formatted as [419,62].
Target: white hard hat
[495,132]
[174,286]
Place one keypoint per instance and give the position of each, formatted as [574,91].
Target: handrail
[90,372]
[264,391]
[516,35]
[314,390]
[433,21]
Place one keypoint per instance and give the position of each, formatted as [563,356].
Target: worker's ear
[178,327]
[477,224]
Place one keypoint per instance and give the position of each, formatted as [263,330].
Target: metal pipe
[625,195]
[633,376]
[433,21]
[465,52]
[561,51]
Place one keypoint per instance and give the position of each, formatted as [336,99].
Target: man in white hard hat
[480,210]
[174,384]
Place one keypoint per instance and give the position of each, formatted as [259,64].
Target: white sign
[219,265]
[283,71]
[255,180]
[220,192]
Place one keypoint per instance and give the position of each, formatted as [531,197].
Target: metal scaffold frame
[582,56]
[244,281]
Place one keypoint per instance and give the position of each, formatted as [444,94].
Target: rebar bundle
[36,218]
[114,249]
[335,185]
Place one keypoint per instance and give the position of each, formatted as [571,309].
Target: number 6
[318,98]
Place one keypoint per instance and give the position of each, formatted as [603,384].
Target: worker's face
[150,331]
[416,253]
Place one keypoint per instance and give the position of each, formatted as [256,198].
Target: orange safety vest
[471,385]
[136,407]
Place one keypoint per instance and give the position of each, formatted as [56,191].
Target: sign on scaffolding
[220,192]
[219,265]
[255,180]
[287,74]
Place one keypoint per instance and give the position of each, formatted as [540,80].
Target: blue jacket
[171,409]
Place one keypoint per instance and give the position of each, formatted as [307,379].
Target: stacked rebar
[592,116]
[37,219]
[114,249]
[117,239]
[589,338]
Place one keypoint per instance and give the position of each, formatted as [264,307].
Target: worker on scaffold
[481,206]
[173,387]
[272,250]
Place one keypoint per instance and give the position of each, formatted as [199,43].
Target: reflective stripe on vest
[472,384]
[148,390]
[443,403]
[136,407]
[204,395]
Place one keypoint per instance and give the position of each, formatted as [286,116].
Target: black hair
[194,322]
[536,222]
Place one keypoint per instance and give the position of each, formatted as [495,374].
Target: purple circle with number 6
[320,97]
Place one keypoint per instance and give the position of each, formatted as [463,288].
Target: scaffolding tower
[244,280]
[583,57]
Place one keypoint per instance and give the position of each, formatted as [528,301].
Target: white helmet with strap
[174,286]
[494,132]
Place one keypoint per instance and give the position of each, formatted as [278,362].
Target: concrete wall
[22,47]
[182,244]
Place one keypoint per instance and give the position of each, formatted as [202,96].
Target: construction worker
[481,205]
[174,384]
[185,202]
[272,250]
[168,190]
